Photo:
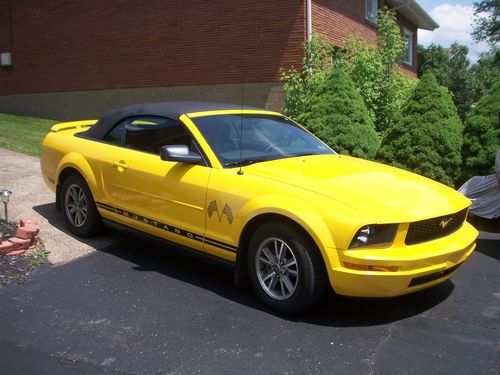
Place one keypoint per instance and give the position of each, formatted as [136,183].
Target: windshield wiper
[243,162]
[304,154]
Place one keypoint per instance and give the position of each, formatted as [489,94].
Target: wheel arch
[74,163]
[241,275]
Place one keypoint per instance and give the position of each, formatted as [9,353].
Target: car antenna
[240,171]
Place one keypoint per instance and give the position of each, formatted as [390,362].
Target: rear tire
[285,267]
[78,207]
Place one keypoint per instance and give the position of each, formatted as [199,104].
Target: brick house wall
[76,59]
[338,20]
[5,34]
[64,45]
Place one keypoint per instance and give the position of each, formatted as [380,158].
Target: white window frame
[408,52]
[371,16]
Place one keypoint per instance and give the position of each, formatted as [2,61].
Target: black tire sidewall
[91,225]
[306,293]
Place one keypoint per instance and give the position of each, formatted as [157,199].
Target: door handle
[121,165]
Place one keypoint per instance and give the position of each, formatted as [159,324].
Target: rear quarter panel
[61,149]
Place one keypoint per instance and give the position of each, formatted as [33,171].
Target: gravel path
[31,198]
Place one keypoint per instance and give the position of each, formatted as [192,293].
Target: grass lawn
[23,134]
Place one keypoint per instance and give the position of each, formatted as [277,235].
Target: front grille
[437,227]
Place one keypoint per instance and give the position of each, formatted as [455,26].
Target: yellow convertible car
[255,191]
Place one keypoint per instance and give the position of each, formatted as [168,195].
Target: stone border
[27,236]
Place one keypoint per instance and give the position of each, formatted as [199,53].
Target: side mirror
[179,153]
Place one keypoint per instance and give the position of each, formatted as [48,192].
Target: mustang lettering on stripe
[167,227]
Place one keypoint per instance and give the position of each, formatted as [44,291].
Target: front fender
[290,206]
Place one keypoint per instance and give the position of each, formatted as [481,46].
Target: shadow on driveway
[490,248]
[135,307]
[55,218]
[335,311]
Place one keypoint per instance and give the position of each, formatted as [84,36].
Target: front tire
[79,210]
[285,268]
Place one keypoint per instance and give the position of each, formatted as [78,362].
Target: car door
[163,198]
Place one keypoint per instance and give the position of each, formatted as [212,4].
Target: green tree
[458,81]
[484,73]
[375,70]
[482,135]
[426,135]
[434,59]
[450,66]
[338,115]
[487,22]
[300,84]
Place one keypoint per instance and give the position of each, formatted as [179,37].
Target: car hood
[377,191]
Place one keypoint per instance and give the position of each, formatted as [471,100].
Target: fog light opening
[365,267]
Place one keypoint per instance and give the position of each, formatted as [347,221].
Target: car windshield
[252,138]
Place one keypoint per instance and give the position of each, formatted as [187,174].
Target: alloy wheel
[76,205]
[277,269]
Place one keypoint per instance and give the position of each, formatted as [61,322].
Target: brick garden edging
[27,236]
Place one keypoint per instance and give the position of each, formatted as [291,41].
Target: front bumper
[418,267]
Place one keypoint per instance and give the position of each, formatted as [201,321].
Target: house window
[408,51]
[371,9]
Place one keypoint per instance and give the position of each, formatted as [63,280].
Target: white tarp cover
[484,192]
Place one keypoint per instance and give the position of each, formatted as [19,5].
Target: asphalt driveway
[135,308]
[117,304]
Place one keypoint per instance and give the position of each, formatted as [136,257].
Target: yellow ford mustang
[256,191]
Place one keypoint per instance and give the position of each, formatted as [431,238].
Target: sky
[455,24]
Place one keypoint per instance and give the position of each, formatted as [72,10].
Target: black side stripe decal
[168,227]
[221,245]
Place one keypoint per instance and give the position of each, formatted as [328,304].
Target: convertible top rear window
[251,138]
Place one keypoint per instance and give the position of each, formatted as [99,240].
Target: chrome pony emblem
[444,222]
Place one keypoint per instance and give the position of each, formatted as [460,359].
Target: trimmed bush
[482,135]
[426,135]
[338,115]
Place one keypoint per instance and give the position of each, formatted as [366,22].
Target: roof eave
[414,13]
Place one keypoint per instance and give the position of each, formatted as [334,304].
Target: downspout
[308,20]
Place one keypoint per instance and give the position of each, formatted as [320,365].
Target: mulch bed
[7,229]
[15,269]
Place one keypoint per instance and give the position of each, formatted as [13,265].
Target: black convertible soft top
[172,110]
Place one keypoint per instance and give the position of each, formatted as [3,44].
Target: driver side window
[148,134]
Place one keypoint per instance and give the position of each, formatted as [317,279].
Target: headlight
[379,235]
